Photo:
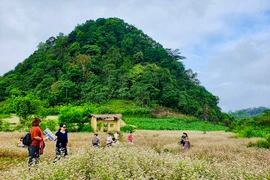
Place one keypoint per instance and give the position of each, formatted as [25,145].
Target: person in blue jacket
[61,142]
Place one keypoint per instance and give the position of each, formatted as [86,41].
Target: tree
[26,107]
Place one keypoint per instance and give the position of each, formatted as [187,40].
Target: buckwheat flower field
[154,155]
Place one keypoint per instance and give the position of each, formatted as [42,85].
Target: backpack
[27,139]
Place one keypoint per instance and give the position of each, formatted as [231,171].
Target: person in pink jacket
[130,138]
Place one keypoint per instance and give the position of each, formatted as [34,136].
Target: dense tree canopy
[109,59]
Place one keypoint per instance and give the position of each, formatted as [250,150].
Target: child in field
[20,143]
[130,138]
[95,141]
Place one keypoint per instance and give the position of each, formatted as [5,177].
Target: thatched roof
[105,116]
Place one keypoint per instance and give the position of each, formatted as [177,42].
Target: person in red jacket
[36,147]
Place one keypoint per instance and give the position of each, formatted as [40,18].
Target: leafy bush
[53,110]
[1,123]
[74,116]
[87,128]
[263,144]
[6,107]
[6,127]
[251,144]
[127,129]
[50,124]
[104,110]
[247,132]
[267,137]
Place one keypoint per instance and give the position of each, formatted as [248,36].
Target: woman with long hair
[61,142]
[186,140]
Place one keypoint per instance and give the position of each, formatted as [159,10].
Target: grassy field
[154,155]
[183,123]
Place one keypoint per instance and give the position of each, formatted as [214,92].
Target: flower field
[154,155]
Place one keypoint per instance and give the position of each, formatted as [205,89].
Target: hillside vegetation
[247,113]
[101,61]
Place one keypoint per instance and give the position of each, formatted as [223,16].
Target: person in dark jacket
[61,142]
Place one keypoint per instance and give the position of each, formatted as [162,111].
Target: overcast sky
[227,42]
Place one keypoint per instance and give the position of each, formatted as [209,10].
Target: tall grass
[154,155]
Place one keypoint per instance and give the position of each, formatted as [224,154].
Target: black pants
[33,155]
[60,152]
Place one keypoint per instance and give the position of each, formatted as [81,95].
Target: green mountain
[247,113]
[108,59]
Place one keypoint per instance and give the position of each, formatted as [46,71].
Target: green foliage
[75,117]
[173,124]
[247,132]
[245,113]
[6,107]
[1,123]
[127,129]
[258,126]
[87,128]
[263,144]
[260,144]
[267,137]
[5,126]
[50,124]
[126,108]
[26,106]
[102,61]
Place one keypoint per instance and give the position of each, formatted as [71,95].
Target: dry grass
[154,155]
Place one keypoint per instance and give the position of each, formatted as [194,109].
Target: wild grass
[154,155]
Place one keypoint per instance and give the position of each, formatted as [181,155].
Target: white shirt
[108,140]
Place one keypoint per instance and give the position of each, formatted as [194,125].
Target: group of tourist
[35,149]
[110,141]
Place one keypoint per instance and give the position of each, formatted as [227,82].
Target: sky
[227,42]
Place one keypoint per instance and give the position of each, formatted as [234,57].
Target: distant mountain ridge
[109,59]
[249,112]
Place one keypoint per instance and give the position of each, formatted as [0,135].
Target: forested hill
[249,112]
[109,59]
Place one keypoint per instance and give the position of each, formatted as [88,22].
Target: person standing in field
[61,143]
[109,140]
[36,147]
[116,136]
[186,140]
[130,138]
[95,141]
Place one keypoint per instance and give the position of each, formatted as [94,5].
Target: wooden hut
[105,122]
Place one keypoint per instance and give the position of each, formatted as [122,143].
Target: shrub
[6,127]
[87,128]
[50,124]
[251,144]
[127,129]
[247,132]
[267,137]
[1,123]
[263,144]
[104,110]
